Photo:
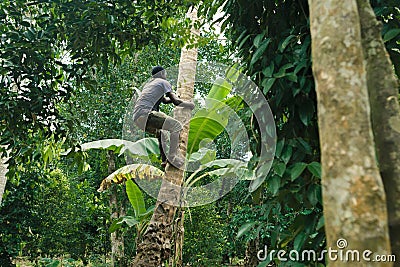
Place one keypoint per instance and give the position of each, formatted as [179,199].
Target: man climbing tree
[147,115]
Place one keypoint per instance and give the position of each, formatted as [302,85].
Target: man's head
[159,72]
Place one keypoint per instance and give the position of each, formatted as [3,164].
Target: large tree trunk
[155,248]
[3,177]
[117,210]
[353,193]
[385,114]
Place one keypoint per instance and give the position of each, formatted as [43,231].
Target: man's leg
[174,156]
[164,122]
[161,141]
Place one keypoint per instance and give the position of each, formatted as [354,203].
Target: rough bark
[253,245]
[156,245]
[3,177]
[251,259]
[117,210]
[353,193]
[179,234]
[385,114]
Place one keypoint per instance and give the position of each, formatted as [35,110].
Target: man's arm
[172,98]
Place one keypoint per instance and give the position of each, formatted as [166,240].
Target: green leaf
[279,168]
[147,214]
[241,36]
[315,168]
[279,147]
[299,241]
[258,39]
[129,220]
[291,77]
[135,197]
[296,170]
[53,264]
[390,34]
[305,146]
[208,123]
[243,41]
[313,194]
[245,228]
[267,84]
[268,71]
[282,71]
[203,155]
[25,23]
[265,263]
[321,223]
[260,51]
[285,43]
[224,163]
[225,167]
[233,73]
[208,126]
[302,64]
[235,102]
[117,224]
[220,89]
[255,184]
[286,154]
[306,112]
[274,184]
[142,147]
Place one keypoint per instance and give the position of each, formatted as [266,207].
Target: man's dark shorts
[158,121]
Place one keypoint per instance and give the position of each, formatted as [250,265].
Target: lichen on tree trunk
[353,195]
[385,114]
[3,177]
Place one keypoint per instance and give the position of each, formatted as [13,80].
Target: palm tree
[156,245]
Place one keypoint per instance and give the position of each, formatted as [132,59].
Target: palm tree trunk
[353,194]
[156,245]
[385,114]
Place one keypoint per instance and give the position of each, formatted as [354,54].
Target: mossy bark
[385,115]
[353,193]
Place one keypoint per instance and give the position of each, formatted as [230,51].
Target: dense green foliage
[45,213]
[273,41]
[69,69]
[75,222]
[388,12]
[50,48]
